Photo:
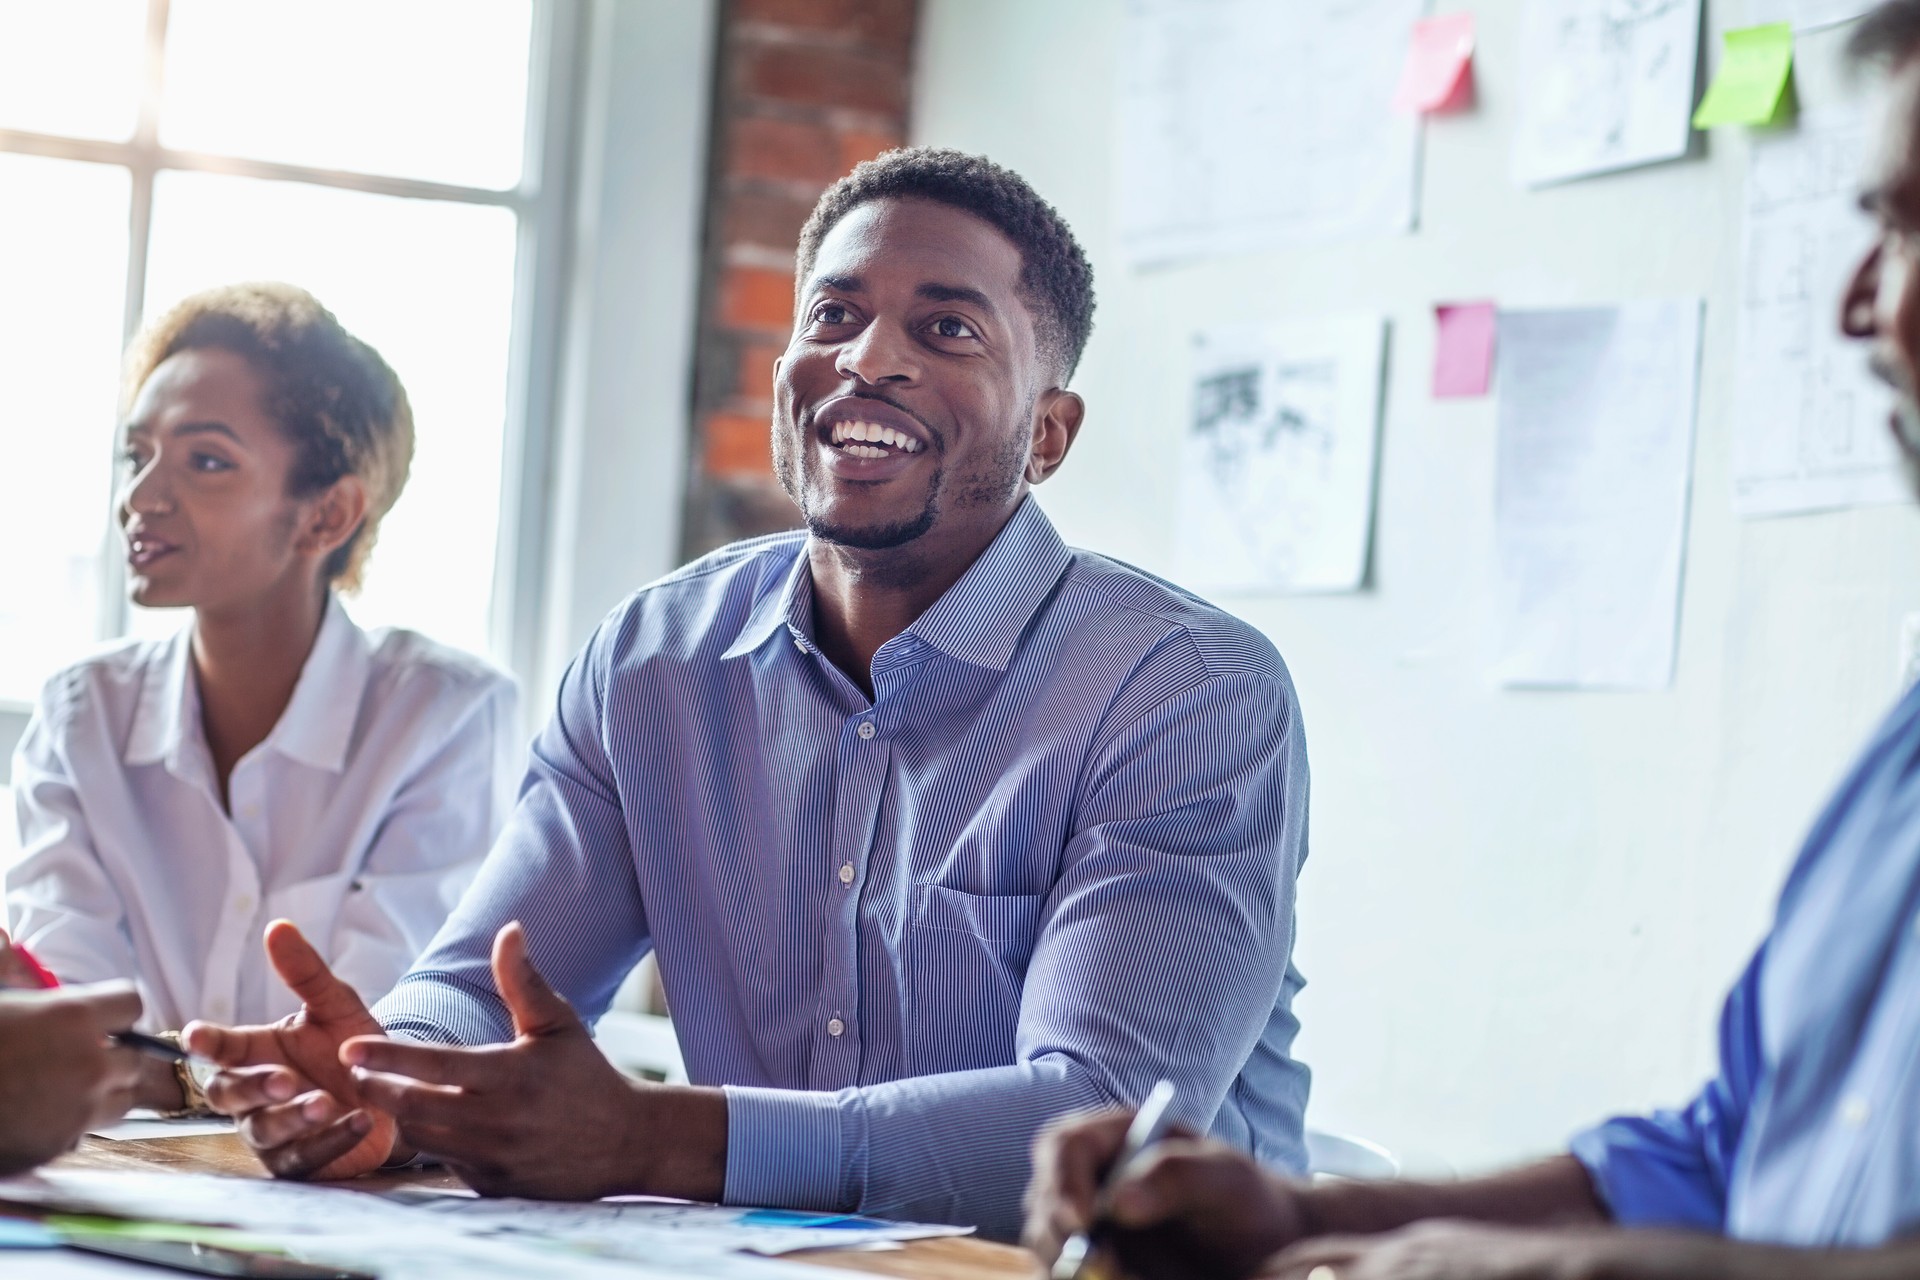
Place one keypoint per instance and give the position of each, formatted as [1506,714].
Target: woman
[271,759]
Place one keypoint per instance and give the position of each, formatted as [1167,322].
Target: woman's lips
[142,552]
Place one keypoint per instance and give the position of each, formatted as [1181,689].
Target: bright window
[371,151]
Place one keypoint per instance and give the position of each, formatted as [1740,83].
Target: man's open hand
[1187,1207]
[545,1115]
[296,1104]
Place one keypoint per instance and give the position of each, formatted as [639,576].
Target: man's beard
[1906,414]
[882,537]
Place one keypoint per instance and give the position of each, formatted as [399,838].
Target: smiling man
[939,828]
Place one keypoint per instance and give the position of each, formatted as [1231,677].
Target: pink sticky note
[1462,349]
[1438,74]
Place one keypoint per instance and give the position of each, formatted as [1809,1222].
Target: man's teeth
[864,439]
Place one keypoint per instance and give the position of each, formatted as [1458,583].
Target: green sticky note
[1754,67]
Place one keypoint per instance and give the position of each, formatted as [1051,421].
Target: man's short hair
[1887,36]
[1056,280]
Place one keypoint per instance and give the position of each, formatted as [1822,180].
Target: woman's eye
[132,460]
[208,462]
[952,327]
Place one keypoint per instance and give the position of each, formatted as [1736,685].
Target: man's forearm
[1554,1192]
[1675,1255]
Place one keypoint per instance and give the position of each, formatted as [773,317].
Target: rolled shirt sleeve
[1673,1168]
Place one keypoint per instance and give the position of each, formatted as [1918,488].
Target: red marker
[41,974]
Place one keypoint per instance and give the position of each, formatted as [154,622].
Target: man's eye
[830,313]
[952,327]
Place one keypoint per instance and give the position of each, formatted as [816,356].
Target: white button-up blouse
[361,818]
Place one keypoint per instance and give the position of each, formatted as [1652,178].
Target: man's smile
[868,439]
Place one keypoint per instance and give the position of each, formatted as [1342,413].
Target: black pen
[154,1046]
[1150,1124]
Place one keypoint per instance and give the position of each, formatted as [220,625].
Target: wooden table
[952,1258]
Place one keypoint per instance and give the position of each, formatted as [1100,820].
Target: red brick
[756,298]
[885,24]
[737,444]
[801,76]
[783,150]
[760,217]
[756,368]
[856,146]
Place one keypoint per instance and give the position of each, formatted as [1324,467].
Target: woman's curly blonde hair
[340,404]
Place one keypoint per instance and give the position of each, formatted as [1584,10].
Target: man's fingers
[235,1091]
[310,1153]
[537,1009]
[411,1102]
[1166,1182]
[428,1063]
[1297,1262]
[1068,1160]
[114,1006]
[327,998]
[232,1046]
[270,1128]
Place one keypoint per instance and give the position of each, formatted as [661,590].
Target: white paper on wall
[1277,467]
[1249,124]
[1809,420]
[1807,15]
[1595,457]
[1605,85]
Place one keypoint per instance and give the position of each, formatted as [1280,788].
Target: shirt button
[835,1027]
[846,873]
[866,729]
[243,903]
[1854,1112]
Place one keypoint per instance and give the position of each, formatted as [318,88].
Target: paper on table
[1245,124]
[1438,74]
[1604,85]
[1462,348]
[1809,420]
[1277,469]
[1751,85]
[638,1227]
[1594,460]
[140,1123]
[1808,15]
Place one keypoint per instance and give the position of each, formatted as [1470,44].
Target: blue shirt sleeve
[562,867]
[1161,952]
[1672,1168]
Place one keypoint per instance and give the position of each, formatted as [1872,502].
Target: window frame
[542,204]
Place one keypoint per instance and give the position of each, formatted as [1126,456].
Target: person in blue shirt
[938,828]
[1800,1158]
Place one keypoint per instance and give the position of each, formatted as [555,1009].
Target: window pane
[63,264]
[72,68]
[432,89]
[431,285]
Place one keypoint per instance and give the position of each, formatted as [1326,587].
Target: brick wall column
[804,90]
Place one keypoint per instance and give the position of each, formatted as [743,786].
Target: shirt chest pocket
[312,904]
[967,957]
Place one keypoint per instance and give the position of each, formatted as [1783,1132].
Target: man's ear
[336,512]
[1056,424]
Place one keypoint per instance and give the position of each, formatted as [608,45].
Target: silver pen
[1150,1124]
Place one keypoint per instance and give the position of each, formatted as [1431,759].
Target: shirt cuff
[1637,1178]
[784,1149]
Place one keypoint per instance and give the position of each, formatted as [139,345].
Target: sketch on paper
[1806,15]
[1245,124]
[1810,422]
[1606,84]
[1278,463]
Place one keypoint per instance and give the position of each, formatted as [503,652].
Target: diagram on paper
[1810,422]
[1278,462]
[1606,84]
[1246,124]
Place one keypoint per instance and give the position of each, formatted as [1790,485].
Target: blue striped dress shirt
[1050,862]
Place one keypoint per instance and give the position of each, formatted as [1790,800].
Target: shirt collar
[979,619]
[315,729]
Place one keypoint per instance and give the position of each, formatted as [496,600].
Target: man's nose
[880,354]
[1860,302]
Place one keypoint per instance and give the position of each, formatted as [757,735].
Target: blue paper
[797,1218]
[24,1233]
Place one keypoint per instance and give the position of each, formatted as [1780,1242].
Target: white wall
[1521,909]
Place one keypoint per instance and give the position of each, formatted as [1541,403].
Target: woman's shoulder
[113,672]
[403,661]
